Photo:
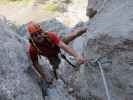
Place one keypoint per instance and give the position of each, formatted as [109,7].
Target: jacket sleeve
[54,37]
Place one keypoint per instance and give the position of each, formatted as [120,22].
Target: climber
[48,44]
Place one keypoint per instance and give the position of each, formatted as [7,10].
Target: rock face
[118,72]
[15,83]
[17,80]
[111,39]
[76,12]
[54,25]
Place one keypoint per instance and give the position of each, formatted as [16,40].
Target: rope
[104,80]
[98,63]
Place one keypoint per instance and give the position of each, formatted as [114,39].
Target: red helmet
[33,27]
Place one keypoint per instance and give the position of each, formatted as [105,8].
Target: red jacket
[47,51]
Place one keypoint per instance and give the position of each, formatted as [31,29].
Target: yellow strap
[36,46]
[45,36]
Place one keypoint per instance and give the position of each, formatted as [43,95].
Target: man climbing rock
[48,44]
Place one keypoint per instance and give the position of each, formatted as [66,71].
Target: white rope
[104,81]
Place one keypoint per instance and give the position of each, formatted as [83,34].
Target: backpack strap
[45,35]
[34,44]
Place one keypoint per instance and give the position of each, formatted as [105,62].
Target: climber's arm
[71,51]
[36,66]
[38,69]
[56,40]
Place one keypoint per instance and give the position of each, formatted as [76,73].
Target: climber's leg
[55,61]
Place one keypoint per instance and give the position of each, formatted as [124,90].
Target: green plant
[51,7]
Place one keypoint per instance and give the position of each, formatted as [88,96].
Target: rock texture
[17,79]
[111,39]
[15,82]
